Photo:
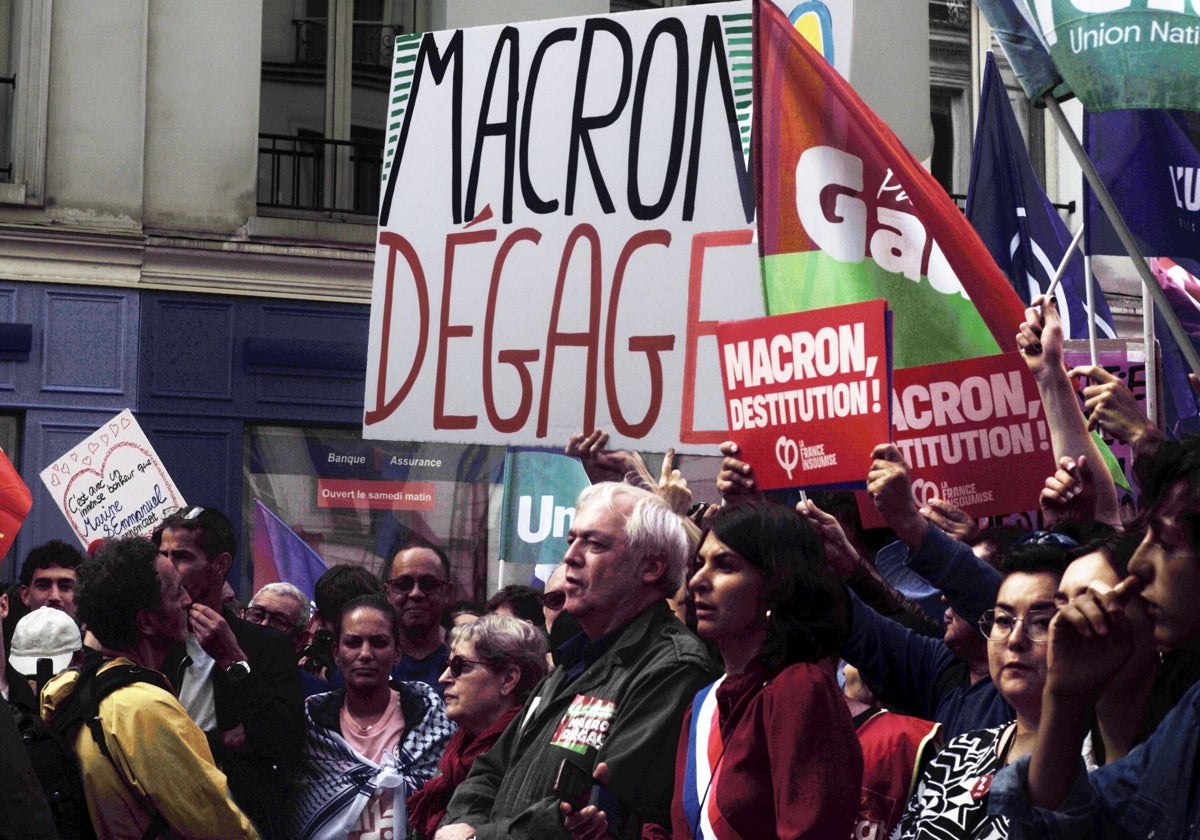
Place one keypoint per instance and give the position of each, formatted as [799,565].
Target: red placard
[806,393]
[974,434]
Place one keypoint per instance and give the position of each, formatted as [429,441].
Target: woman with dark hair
[370,743]
[769,749]
[494,663]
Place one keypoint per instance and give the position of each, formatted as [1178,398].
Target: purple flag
[1150,162]
[280,554]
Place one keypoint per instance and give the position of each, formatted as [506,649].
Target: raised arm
[1041,342]
[969,584]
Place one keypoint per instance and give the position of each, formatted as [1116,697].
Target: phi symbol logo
[787,453]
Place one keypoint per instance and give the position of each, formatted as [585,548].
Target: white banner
[567,213]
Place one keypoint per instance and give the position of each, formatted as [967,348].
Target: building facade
[187,200]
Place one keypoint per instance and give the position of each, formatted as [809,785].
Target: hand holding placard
[736,477]
[889,486]
[807,392]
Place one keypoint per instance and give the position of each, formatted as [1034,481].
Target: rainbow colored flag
[847,214]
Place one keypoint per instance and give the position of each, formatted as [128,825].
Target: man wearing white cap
[47,634]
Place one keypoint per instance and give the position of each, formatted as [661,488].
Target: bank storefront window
[355,500]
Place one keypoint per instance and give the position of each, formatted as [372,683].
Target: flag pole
[1151,357]
[1123,232]
[1090,296]
[1062,266]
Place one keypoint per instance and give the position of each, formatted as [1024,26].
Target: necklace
[364,729]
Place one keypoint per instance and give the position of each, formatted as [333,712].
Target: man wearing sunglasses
[419,587]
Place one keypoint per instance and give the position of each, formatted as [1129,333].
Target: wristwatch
[238,671]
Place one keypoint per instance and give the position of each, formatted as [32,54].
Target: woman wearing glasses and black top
[951,796]
[370,744]
[494,663]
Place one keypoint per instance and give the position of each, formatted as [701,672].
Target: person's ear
[147,622]
[509,680]
[3,606]
[223,562]
[25,595]
[654,568]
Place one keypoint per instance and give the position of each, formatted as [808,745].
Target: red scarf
[427,806]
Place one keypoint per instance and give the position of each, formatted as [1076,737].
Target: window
[355,500]
[325,74]
[24,80]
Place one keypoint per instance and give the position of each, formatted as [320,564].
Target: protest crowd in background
[793,664]
[749,669]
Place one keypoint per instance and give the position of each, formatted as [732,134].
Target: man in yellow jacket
[158,765]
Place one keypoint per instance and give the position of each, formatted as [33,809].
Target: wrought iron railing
[312,173]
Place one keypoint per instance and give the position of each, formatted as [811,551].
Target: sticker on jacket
[585,724]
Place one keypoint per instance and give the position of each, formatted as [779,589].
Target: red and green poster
[847,214]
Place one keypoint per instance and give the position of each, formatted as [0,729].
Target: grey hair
[501,641]
[288,590]
[652,529]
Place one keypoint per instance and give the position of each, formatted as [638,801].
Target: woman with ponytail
[768,750]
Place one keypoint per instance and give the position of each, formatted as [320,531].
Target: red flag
[15,502]
[847,214]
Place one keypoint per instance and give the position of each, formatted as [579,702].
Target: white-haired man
[619,693]
[284,607]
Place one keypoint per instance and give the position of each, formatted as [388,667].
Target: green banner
[1125,53]
[540,489]
[929,326]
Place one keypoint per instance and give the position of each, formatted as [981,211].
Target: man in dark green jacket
[618,695]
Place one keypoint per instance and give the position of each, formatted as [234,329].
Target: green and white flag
[540,488]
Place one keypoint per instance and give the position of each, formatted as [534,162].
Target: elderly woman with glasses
[494,663]
[951,796]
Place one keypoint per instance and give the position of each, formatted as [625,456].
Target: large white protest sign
[112,484]
[567,214]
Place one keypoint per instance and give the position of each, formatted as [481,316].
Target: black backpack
[51,746]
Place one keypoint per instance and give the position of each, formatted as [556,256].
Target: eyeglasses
[554,600]
[429,584]
[1044,538]
[457,664]
[277,620]
[997,626]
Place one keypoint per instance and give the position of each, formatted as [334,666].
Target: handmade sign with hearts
[112,484]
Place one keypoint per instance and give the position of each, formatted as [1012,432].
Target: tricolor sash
[703,771]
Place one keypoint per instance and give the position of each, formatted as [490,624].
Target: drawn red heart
[125,457]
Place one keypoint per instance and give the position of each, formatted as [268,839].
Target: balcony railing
[311,173]
[371,45]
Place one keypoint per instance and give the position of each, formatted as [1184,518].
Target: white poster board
[567,213]
[112,484]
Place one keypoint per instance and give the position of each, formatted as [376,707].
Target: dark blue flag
[1150,162]
[1015,219]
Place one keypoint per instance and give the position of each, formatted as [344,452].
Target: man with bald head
[419,587]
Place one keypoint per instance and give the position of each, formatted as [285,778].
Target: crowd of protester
[746,670]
